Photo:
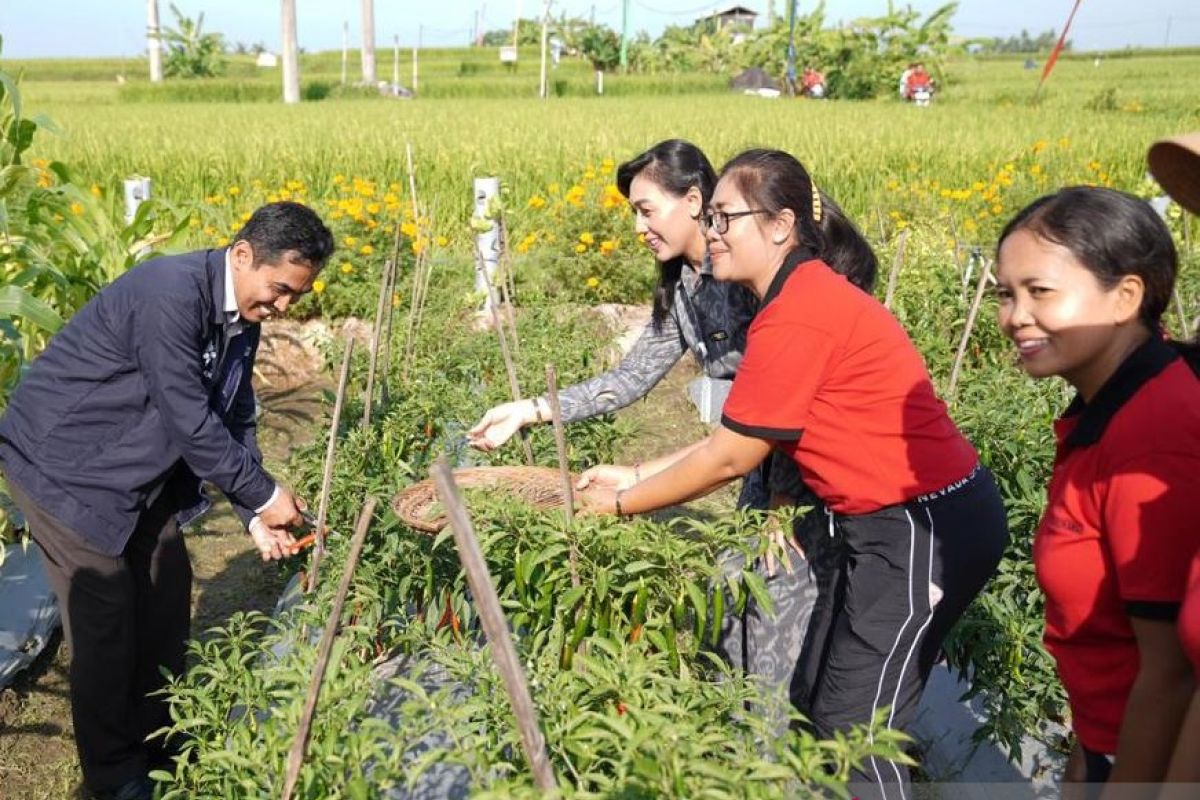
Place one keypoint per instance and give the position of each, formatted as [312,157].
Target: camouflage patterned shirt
[708,317]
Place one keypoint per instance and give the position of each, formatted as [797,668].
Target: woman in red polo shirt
[831,379]
[1084,276]
[1185,764]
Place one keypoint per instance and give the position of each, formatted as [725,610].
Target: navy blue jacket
[142,392]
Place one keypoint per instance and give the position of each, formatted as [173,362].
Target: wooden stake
[327,477]
[495,627]
[385,381]
[894,273]
[509,367]
[508,287]
[376,335]
[564,469]
[984,273]
[296,755]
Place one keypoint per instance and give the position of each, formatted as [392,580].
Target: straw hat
[1175,164]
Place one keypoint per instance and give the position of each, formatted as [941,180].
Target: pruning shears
[309,539]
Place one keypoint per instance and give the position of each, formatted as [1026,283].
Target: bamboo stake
[508,288]
[894,273]
[564,470]
[327,476]
[984,274]
[376,332]
[509,367]
[495,627]
[385,379]
[296,755]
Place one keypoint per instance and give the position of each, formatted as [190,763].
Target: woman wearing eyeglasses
[831,380]
[667,187]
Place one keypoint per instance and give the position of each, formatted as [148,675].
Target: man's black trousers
[125,617]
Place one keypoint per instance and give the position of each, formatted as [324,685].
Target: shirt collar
[231,306]
[791,262]
[1135,371]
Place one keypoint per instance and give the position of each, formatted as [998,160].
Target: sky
[66,28]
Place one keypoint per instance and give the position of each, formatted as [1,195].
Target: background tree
[191,53]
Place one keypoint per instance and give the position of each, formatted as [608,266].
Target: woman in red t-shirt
[1084,277]
[831,379]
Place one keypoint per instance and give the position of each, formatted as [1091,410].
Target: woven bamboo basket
[541,487]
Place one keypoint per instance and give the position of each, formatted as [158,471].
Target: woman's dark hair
[1113,234]
[279,228]
[774,180]
[675,166]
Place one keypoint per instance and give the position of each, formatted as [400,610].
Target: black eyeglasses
[719,220]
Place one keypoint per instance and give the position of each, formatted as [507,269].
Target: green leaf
[16,302]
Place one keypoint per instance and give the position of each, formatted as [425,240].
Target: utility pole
[542,92]
[625,36]
[791,53]
[153,43]
[368,41]
[345,48]
[291,62]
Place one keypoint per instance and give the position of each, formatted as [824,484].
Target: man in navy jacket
[145,393]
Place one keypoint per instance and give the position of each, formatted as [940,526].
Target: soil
[37,750]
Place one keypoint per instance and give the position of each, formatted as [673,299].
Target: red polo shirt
[1189,617]
[1119,530]
[832,379]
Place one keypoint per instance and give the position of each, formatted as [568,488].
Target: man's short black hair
[277,229]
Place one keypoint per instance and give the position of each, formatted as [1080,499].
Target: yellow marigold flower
[587,238]
[77,208]
[194,222]
[523,246]
[246,216]
[593,282]
[224,240]
[366,249]
[589,175]
[442,241]
[409,229]
[318,286]
[338,180]
[350,241]
[997,209]
[209,230]
[96,190]
[537,201]
[581,248]
[373,208]
[1039,146]
[607,246]
[347,268]
[1036,170]
[234,191]
[337,215]
[419,244]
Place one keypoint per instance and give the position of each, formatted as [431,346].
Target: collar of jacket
[214,264]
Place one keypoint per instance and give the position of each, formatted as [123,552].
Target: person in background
[1175,164]
[832,381]
[1084,277]
[144,393]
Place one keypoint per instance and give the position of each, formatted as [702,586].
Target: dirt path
[37,746]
